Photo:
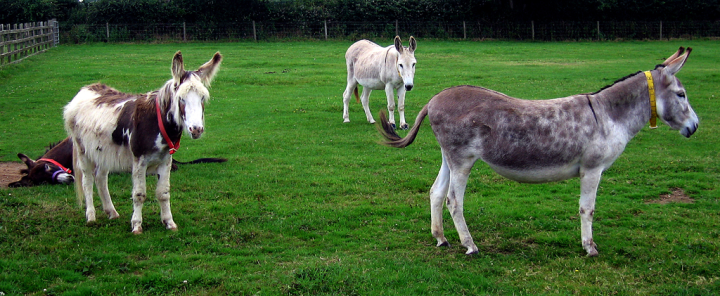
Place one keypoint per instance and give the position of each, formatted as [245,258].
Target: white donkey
[375,67]
[113,131]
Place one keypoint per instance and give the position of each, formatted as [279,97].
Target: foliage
[310,205]
[215,11]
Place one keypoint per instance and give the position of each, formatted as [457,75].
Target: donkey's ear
[413,44]
[27,160]
[673,66]
[674,56]
[208,70]
[177,68]
[398,44]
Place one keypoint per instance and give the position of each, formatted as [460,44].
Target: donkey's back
[523,140]
[92,116]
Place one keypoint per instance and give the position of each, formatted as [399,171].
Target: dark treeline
[217,11]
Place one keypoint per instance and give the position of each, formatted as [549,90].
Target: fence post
[325,29]
[660,30]
[2,43]
[184,33]
[254,31]
[15,46]
[396,28]
[56,32]
[464,31]
[598,30]
[532,26]
[107,31]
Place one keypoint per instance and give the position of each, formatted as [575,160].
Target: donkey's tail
[201,160]
[79,193]
[357,97]
[392,139]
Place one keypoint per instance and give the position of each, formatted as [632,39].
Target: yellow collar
[653,107]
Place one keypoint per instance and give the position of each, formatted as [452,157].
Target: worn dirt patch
[677,196]
[10,172]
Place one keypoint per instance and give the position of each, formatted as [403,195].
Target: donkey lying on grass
[55,166]
[114,131]
[544,140]
[375,67]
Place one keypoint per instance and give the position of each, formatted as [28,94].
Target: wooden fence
[19,41]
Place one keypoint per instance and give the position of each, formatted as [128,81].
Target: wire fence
[254,31]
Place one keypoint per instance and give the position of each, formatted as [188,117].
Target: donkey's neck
[169,118]
[626,103]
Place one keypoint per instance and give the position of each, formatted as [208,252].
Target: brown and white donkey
[113,131]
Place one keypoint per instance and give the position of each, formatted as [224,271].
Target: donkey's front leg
[162,193]
[389,93]
[401,107]
[138,193]
[589,181]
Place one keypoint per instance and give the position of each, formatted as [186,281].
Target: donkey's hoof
[404,126]
[392,124]
[472,250]
[346,120]
[443,244]
[170,225]
[136,227]
[112,214]
[91,222]
[592,252]
[591,249]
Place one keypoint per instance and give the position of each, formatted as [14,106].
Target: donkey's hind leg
[85,171]
[437,198]
[101,182]
[365,100]
[162,193]
[347,95]
[459,173]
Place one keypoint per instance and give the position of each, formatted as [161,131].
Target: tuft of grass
[307,204]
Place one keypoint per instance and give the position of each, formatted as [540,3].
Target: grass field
[307,204]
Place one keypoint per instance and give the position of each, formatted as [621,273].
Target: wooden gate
[19,41]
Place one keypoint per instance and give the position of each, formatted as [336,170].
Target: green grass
[309,205]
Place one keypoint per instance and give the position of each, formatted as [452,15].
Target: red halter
[173,146]
[57,164]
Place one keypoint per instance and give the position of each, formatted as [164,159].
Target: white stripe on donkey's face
[543,140]
[115,131]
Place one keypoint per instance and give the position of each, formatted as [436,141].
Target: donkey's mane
[51,146]
[616,82]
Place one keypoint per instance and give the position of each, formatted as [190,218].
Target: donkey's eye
[401,66]
[681,94]
[413,65]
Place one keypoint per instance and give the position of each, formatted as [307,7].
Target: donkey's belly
[538,175]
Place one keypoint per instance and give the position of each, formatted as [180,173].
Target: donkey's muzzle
[196,131]
[408,87]
[689,130]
